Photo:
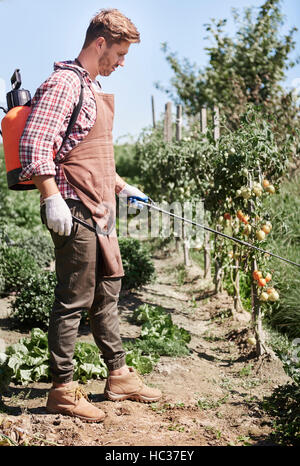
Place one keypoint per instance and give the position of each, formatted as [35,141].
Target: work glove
[58,214]
[133,194]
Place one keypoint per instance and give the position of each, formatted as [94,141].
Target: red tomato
[262,282]
[268,277]
[266,229]
[257,275]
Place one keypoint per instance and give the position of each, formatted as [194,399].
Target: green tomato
[264,296]
[246,193]
[257,191]
[252,341]
[260,235]
[274,296]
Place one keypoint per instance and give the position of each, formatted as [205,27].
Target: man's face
[112,57]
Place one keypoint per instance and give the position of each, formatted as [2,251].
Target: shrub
[125,162]
[284,406]
[40,247]
[16,267]
[138,266]
[290,358]
[21,255]
[34,302]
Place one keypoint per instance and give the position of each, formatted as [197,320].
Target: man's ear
[100,42]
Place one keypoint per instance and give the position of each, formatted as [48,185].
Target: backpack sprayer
[13,124]
[19,107]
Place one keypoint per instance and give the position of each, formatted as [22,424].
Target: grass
[208,404]
[181,274]
[284,240]
[246,371]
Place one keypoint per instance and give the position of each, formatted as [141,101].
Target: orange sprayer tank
[12,126]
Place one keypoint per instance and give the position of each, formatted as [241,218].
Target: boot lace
[139,380]
[78,393]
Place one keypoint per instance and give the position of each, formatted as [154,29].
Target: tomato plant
[232,175]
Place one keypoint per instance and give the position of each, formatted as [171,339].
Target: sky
[36,33]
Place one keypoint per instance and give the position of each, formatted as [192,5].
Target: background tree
[247,68]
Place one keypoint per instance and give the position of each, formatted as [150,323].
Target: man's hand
[133,194]
[58,214]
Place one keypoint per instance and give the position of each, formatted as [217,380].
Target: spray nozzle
[16,80]
[17,96]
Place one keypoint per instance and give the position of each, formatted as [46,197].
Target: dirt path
[211,397]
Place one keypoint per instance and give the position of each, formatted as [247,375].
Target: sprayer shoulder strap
[75,113]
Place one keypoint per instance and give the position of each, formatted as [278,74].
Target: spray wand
[152,205]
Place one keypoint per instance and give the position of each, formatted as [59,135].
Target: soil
[210,398]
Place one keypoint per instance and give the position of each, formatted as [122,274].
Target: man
[82,182]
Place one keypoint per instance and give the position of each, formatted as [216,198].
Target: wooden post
[256,314]
[178,122]
[203,120]
[218,263]
[178,138]
[185,245]
[153,112]
[206,249]
[255,303]
[207,258]
[218,268]
[216,123]
[168,122]
[238,307]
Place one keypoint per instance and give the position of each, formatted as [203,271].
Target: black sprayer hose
[86,225]
[5,111]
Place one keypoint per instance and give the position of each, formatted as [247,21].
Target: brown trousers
[81,288]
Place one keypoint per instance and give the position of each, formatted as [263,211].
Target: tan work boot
[130,387]
[72,401]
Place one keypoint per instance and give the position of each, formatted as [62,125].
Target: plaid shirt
[52,107]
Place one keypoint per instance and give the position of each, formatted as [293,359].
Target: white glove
[58,214]
[133,194]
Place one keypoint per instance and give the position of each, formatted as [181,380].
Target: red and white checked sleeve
[52,107]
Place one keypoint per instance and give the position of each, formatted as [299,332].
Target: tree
[247,68]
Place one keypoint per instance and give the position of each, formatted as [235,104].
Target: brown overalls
[88,265]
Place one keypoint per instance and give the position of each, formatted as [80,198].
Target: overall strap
[75,113]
